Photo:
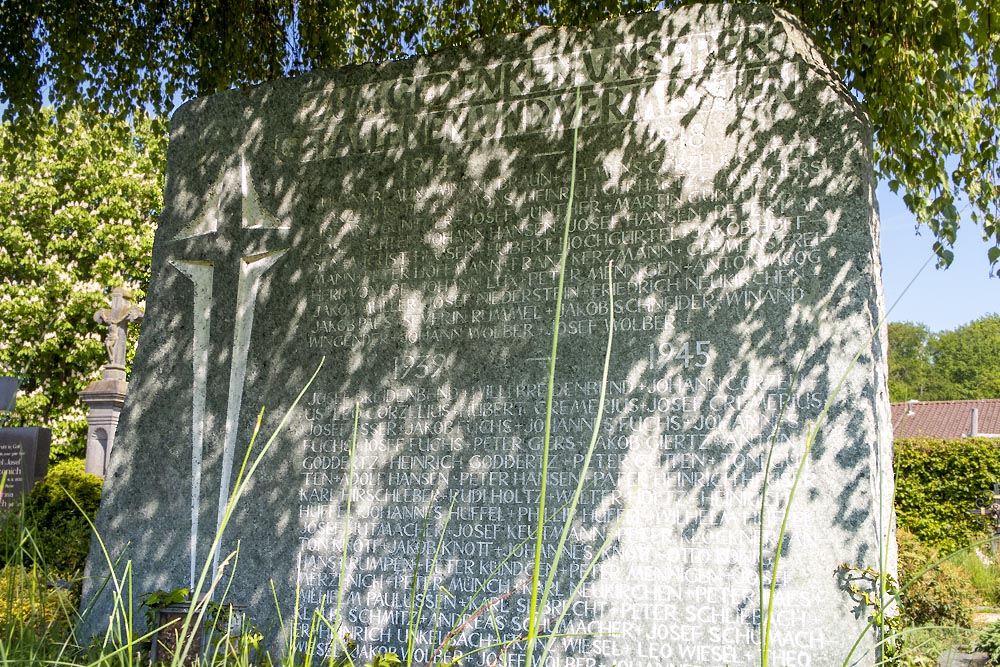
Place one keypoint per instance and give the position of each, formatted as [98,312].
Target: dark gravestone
[405,223]
[8,393]
[24,459]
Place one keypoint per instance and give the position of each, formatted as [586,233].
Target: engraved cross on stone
[219,251]
[117,318]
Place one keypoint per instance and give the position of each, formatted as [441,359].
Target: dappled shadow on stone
[405,223]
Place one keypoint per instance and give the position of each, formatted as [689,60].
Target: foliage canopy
[909,360]
[925,70]
[968,359]
[951,365]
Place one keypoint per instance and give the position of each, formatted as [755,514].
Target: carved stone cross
[117,318]
[226,248]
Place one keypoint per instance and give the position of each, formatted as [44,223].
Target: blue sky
[941,299]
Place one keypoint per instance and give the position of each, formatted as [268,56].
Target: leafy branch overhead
[925,70]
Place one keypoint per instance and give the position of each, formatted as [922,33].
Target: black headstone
[24,458]
[8,393]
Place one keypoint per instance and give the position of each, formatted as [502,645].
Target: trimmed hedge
[938,483]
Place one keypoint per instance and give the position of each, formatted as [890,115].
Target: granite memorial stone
[24,459]
[405,222]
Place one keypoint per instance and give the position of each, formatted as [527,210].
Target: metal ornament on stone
[990,507]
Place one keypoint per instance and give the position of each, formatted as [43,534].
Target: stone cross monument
[117,318]
[106,397]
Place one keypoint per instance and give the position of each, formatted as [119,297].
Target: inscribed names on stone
[24,459]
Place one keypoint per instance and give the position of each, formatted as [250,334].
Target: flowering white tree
[78,205]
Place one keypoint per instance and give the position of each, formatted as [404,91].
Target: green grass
[982,572]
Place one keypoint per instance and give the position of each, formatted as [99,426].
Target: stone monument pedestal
[105,399]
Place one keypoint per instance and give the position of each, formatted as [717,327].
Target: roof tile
[945,419]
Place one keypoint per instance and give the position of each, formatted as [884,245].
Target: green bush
[941,596]
[989,641]
[938,483]
[51,528]
[923,646]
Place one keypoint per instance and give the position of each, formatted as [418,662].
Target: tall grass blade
[246,473]
[347,516]
[608,541]
[549,394]
[779,547]
[810,437]
[585,466]
[416,618]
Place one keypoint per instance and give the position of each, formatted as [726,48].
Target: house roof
[945,419]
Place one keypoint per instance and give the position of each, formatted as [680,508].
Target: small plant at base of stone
[388,659]
[863,585]
[228,636]
[153,602]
